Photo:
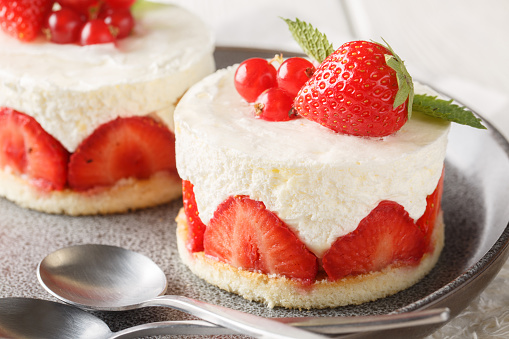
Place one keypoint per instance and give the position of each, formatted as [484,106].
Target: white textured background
[458,46]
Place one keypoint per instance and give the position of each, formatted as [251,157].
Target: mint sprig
[316,46]
[312,42]
[445,109]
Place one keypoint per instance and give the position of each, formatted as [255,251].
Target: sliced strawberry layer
[386,236]
[196,227]
[244,234]
[27,149]
[122,148]
[433,206]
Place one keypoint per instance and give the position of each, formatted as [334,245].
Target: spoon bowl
[37,318]
[101,277]
[32,318]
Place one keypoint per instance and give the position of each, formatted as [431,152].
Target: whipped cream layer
[322,184]
[71,90]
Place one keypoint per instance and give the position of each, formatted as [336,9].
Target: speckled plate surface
[475,203]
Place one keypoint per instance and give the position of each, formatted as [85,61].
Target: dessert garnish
[253,76]
[272,91]
[83,22]
[293,74]
[275,104]
[354,89]
[363,88]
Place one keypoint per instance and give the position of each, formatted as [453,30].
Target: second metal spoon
[37,318]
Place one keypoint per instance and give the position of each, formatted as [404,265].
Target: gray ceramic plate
[476,206]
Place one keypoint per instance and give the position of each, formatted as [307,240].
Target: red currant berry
[96,32]
[64,26]
[275,104]
[124,4]
[254,76]
[120,19]
[81,6]
[293,74]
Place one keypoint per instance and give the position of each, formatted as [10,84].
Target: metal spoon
[109,278]
[37,318]
[102,277]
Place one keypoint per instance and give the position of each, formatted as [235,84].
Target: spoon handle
[351,324]
[184,327]
[329,325]
[238,321]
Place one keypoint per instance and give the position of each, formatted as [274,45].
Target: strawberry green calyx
[446,110]
[405,83]
[312,42]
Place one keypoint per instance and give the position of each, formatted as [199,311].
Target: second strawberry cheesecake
[86,126]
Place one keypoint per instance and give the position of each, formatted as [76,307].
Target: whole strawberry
[23,19]
[356,91]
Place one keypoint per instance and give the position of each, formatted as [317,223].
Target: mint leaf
[405,83]
[445,109]
[312,42]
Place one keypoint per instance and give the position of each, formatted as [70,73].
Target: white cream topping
[322,184]
[71,90]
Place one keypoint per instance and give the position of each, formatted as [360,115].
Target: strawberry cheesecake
[86,121]
[331,199]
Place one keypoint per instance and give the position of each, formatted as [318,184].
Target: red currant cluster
[272,91]
[89,22]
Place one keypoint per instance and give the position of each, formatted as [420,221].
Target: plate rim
[498,251]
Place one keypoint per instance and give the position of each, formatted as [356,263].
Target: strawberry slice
[244,234]
[23,19]
[122,148]
[387,235]
[196,227]
[28,149]
[433,205]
